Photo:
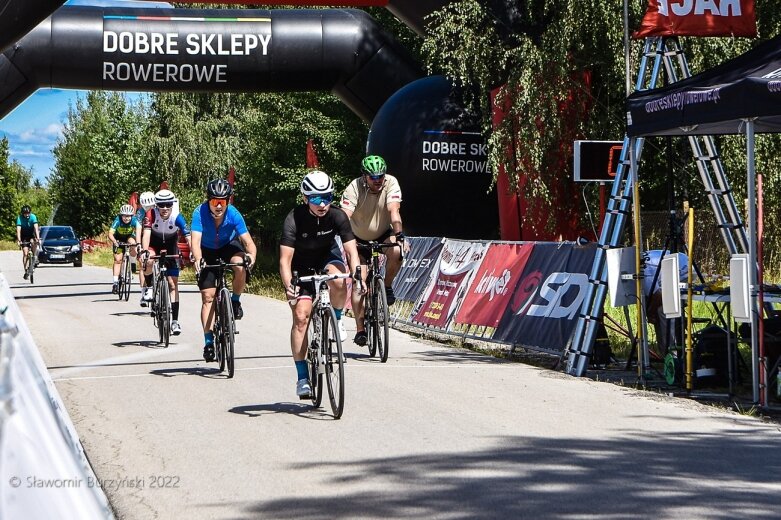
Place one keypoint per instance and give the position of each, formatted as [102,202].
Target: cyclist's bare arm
[285,269]
[195,247]
[249,246]
[37,232]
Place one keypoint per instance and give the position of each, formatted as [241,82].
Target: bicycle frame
[321,358]
[161,304]
[224,332]
[32,257]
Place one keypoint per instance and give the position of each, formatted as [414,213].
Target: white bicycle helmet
[127,210]
[317,183]
[147,200]
[163,196]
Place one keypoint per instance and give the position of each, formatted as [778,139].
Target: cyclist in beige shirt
[373,203]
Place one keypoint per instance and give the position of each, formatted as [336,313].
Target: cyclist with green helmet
[373,203]
[125,229]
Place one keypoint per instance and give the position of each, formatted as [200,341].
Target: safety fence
[44,472]
[526,294]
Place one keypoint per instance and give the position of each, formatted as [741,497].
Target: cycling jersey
[313,238]
[164,232]
[28,226]
[140,214]
[124,231]
[213,237]
[370,218]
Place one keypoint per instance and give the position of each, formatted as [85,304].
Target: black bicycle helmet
[219,189]
[26,209]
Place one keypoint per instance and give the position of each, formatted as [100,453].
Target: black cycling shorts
[207,279]
[364,251]
[308,289]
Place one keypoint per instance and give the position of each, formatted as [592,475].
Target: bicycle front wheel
[369,311]
[122,278]
[312,361]
[226,330]
[31,267]
[128,276]
[164,312]
[334,362]
[381,332]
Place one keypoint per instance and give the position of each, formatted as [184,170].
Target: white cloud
[29,152]
[47,135]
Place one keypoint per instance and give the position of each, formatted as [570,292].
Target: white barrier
[44,472]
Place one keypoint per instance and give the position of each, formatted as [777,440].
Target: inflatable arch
[338,50]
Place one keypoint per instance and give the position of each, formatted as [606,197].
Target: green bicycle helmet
[374,165]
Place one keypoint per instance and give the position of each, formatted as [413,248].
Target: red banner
[698,18]
[457,263]
[493,285]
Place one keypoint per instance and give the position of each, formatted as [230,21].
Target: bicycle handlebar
[379,246]
[317,278]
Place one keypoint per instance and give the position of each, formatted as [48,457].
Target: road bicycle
[324,351]
[32,257]
[224,322]
[375,312]
[125,274]
[161,299]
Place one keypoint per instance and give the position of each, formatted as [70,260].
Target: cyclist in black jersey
[309,244]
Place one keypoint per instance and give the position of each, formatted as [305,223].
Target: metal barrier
[44,472]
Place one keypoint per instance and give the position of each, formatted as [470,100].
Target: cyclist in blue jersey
[27,231]
[161,232]
[125,228]
[219,231]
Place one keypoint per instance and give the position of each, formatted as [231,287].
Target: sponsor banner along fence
[419,262]
[457,264]
[518,293]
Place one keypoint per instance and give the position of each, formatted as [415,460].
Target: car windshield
[57,233]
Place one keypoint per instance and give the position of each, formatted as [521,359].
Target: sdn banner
[546,303]
[457,263]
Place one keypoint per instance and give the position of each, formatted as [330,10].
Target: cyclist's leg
[25,252]
[298,338]
[173,286]
[392,261]
[358,299]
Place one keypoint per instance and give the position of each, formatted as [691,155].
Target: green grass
[264,281]
[8,245]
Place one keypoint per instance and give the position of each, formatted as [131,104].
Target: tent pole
[752,255]
[642,343]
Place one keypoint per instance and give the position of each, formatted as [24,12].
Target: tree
[550,56]
[97,161]
[9,200]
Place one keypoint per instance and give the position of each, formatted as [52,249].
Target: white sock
[116,279]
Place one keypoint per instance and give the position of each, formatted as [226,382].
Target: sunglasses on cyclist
[166,205]
[216,203]
[377,177]
[321,199]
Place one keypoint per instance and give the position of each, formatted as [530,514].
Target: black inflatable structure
[438,153]
[338,50]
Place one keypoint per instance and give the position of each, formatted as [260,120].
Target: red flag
[311,155]
[698,18]
[232,182]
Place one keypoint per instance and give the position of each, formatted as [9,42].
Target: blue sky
[35,125]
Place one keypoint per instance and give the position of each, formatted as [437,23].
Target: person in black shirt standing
[309,245]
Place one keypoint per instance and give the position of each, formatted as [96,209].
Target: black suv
[59,246]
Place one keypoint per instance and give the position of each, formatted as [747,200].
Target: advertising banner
[546,302]
[417,267]
[457,263]
[491,288]
[698,18]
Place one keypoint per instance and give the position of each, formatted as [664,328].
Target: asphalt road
[437,432]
